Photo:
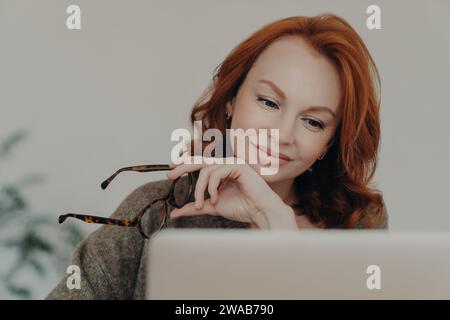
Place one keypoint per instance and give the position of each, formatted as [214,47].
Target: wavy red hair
[337,193]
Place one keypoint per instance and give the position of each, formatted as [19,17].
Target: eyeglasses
[153,216]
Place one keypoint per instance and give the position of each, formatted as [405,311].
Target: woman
[314,80]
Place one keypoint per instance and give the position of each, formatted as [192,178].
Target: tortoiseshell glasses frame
[175,199]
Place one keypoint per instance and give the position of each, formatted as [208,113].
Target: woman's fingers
[183,168]
[210,176]
[189,164]
[200,187]
[203,179]
[215,179]
[189,209]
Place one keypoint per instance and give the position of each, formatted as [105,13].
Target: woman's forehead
[302,74]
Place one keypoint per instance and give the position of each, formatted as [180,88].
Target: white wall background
[110,94]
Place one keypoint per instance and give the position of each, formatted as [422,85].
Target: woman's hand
[237,193]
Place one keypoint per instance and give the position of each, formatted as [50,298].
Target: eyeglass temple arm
[99,220]
[141,168]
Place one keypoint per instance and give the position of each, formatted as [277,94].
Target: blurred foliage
[36,242]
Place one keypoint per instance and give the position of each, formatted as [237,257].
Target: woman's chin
[270,173]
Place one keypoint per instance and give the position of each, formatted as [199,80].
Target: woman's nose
[286,130]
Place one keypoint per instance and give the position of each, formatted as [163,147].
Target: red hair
[336,194]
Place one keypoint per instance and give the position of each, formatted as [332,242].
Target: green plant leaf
[30,180]
[27,234]
[11,141]
[19,291]
[30,243]
[73,235]
[36,265]
[15,199]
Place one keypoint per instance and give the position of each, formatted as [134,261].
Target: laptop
[308,264]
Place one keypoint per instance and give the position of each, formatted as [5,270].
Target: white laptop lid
[310,264]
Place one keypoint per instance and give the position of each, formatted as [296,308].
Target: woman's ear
[230,106]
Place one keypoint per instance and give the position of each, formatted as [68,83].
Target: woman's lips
[281,156]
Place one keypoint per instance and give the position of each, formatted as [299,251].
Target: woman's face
[294,89]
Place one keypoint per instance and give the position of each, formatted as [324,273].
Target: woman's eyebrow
[280,93]
[274,87]
[321,109]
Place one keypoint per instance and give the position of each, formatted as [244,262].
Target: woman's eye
[272,105]
[268,103]
[315,124]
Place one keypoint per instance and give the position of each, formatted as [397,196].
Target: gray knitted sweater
[112,260]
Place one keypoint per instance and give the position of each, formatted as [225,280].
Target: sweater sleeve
[110,259]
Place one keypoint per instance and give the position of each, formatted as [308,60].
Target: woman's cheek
[307,148]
